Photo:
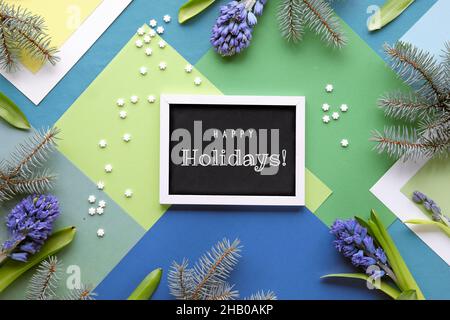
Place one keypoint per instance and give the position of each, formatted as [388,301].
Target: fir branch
[417,68]
[179,278]
[214,267]
[290,20]
[33,153]
[269,295]
[320,18]
[36,183]
[84,293]
[44,282]
[407,106]
[22,32]
[402,141]
[223,291]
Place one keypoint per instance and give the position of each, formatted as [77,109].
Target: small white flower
[134,99]
[139,43]
[329,88]
[108,168]
[152,33]
[151,99]
[102,203]
[198,81]
[335,115]
[126,137]
[128,193]
[326,118]
[140,31]
[123,114]
[147,38]
[160,30]
[167,18]
[162,65]
[120,102]
[148,51]
[102,143]
[143,70]
[100,185]
[92,199]
[188,68]
[325,107]
[100,211]
[100,233]
[344,107]
[91,211]
[344,143]
[153,23]
[162,44]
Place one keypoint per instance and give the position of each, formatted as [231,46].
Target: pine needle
[44,282]
[290,20]
[269,295]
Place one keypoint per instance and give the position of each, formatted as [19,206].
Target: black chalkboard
[222,149]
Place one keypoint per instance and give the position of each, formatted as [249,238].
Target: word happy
[228,148]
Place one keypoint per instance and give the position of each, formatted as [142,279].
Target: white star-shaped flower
[147,38]
[140,31]
[102,203]
[134,99]
[100,185]
[91,211]
[92,199]
[326,118]
[123,114]
[325,107]
[335,115]
[162,65]
[139,43]
[329,88]
[198,81]
[128,193]
[188,68]
[120,102]
[143,70]
[153,23]
[344,143]
[126,137]
[152,33]
[160,30]
[100,233]
[108,168]
[162,44]
[167,18]
[102,143]
[148,51]
[344,107]
[99,211]
[151,99]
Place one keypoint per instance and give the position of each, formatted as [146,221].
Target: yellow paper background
[62,17]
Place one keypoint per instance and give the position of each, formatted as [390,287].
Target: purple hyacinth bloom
[430,205]
[233,29]
[354,242]
[30,223]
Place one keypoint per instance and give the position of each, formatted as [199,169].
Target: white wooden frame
[298,102]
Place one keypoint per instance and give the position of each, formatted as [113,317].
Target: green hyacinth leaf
[11,270]
[390,10]
[148,286]
[429,222]
[192,8]
[381,285]
[408,295]
[405,279]
[12,114]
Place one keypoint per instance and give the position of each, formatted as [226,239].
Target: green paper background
[359,77]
